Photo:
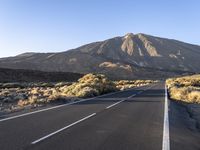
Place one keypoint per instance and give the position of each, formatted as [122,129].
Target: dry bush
[126,84]
[178,93]
[185,89]
[90,85]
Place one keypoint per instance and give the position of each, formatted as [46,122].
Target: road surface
[128,120]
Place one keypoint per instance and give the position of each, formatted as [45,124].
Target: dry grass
[36,94]
[186,89]
[88,86]
[126,84]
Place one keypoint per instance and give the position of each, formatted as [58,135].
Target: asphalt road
[128,120]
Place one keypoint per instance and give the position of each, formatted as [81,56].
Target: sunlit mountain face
[127,57]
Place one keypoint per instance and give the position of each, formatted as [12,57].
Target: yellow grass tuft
[186,89]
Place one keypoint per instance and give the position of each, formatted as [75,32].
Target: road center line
[166,140]
[128,97]
[41,110]
[115,104]
[119,101]
[64,128]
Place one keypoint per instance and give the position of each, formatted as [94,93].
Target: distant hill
[20,75]
[127,57]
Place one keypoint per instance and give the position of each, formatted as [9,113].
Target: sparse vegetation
[90,85]
[186,89]
[19,95]
[126,84]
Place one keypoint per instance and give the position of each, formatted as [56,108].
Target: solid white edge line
[64,128]
[166,140]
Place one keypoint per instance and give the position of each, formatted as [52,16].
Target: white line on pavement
[115,104]
[68,126]
[41,110]
[64,128]
[128,97]
[119,101]
[166,140]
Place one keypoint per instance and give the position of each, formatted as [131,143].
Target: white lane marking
[166,140]
[119,101]
[54,107]
[64,128]
[115,104]
[131,96]
[110,106]
[41,110]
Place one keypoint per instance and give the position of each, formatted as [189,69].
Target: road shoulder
[184,134]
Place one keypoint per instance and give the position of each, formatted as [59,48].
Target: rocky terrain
[132,56]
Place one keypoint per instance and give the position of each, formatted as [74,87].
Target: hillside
[127,57]
[20,75]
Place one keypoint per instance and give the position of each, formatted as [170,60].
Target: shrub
[126,84]
[185,89]
[90,85]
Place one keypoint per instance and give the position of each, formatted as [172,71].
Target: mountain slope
[130,56]
[20,75]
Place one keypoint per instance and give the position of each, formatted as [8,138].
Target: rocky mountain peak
[127,56]
[129,35]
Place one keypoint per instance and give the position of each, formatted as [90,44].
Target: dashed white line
[68,126]
[41,110]
[115,104]
[166,140]
[128,97]
[119,101]
[64,128]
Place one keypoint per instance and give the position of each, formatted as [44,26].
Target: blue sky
[59,25]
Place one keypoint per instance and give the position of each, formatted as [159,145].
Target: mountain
[127,57]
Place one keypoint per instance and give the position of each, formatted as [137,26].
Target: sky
[60,25]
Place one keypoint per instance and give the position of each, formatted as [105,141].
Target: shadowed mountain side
[20,75]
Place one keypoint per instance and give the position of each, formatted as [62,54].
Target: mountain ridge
[127,57]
